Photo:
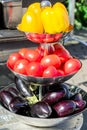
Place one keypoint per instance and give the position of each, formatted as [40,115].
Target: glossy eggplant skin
[41,109]
[23,88]
[57,101]
[64,108]
[5,98]
[66,88]
[19,106]
[60,87]
[80,103]
[76,97]
[13,91]
[53,97]
[14,103]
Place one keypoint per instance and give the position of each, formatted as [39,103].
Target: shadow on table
[6,76]
[78,50]
[84,127]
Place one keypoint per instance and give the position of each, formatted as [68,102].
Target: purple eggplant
[64,108]
[19,106]
[23,88]
[41,110]
[16,103]
[76,97]
[60,87]
[80,103]
[13,91]
[53,97]
[66,88]
[5,98]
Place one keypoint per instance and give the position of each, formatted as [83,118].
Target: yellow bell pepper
[36,9]
[31,20]
[50,19]
[61,15]
[68,26]
[58,5]
[55,19]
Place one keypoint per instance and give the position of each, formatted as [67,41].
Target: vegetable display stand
[39,96]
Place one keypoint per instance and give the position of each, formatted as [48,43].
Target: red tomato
[22,51]
[58,46]
[72,65]
[20,66]
[51,60]
[13,58]
[63,53]
[60,72]
[33,56]
[35,69]
[51,71]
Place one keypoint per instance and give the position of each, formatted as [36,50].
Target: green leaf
[78,25]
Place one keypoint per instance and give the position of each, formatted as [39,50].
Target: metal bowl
[48,122]
[42,80]
[44,38]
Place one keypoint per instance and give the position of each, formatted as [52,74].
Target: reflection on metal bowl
[49,122]
[44,38]
[42,80]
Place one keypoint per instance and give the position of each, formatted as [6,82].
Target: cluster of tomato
[49,62]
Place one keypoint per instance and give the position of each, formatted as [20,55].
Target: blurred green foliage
[80,13]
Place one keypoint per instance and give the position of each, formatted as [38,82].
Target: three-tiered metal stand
[73,122]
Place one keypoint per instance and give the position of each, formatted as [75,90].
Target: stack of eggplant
[57,100]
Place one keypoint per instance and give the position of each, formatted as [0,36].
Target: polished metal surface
[42,80]
[8,121]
